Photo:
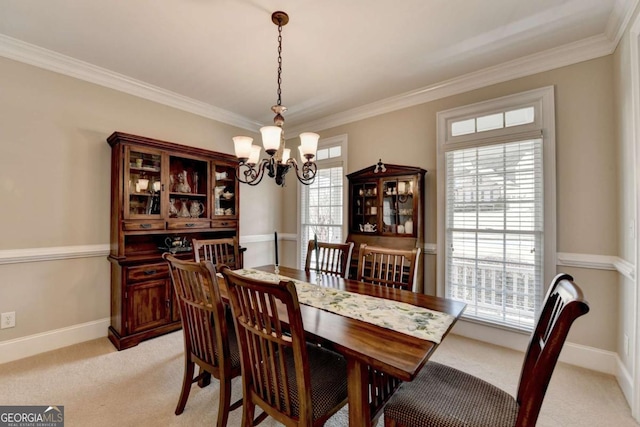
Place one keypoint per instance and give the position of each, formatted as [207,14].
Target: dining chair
[208,342]
[396,268]
[333,258]
[444,396]
[218,251]
[296,383]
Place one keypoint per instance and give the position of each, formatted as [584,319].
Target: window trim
[543,101]
[341,140]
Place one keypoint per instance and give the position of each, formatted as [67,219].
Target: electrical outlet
[8,320]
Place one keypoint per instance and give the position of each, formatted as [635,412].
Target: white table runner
[409,319]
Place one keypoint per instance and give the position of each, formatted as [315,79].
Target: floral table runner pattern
[409,319]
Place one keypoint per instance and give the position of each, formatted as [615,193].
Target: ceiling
[342,60]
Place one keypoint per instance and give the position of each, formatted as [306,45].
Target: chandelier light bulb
[309,144]
[242,146]
[271,138]
[255,154]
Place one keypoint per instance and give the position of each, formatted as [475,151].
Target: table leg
[358,393]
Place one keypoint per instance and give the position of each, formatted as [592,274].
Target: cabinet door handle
[168,303]
[190,224]
[224,223]
[150,272]
[145,225]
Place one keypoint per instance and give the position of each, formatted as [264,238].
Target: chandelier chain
[279,62]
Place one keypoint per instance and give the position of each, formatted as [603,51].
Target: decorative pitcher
[196,209]
[182,186]
[184,211]
[173,211]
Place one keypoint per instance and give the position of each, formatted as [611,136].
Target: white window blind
[494,231]
[321,204]
[322,209]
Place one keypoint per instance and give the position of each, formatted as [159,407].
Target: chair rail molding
[598,262]
[15,256]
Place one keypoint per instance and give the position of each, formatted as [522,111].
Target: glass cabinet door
[365,211]
[143,187]
[398,206]
[224,190]
[188,188]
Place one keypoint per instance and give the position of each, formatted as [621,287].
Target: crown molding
[572,53]
[49,60]
[619,19]
[561,56]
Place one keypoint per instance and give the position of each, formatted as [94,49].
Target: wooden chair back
[396,268]
[218,251]
[333,258]
[206,336]
[563,304]
[266,347]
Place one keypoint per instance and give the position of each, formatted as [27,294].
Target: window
[496,226]
[322,203]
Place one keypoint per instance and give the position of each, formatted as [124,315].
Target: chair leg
[205,379]
[186,385]
[248,409]
[225,401]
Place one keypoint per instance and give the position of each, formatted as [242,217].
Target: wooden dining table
[378,359]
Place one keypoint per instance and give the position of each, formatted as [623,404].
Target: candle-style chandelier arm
[249,173]
[252,174]
[306,173]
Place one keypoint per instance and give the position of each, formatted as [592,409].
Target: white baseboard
[625,381]
[31,345]
[574,354]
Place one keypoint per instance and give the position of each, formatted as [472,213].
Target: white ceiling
[342,59]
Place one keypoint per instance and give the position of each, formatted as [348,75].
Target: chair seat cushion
[446,397]
[328,372]
[234,346]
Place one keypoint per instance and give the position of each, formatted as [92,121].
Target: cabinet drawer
[143,225]
[147,272]
[224,223]
[188,224]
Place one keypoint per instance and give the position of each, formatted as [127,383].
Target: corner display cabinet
[386,208]
[163,195]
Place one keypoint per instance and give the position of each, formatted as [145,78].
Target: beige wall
[587,208]
[55,188]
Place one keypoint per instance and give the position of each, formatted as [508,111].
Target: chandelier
[251,169]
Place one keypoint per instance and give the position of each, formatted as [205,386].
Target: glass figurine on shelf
[173,210]
[195,181]
[182,186]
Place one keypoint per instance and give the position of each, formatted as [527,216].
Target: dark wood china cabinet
[162,196]
[386,208]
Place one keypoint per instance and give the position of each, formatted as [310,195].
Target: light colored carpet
[100,386]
